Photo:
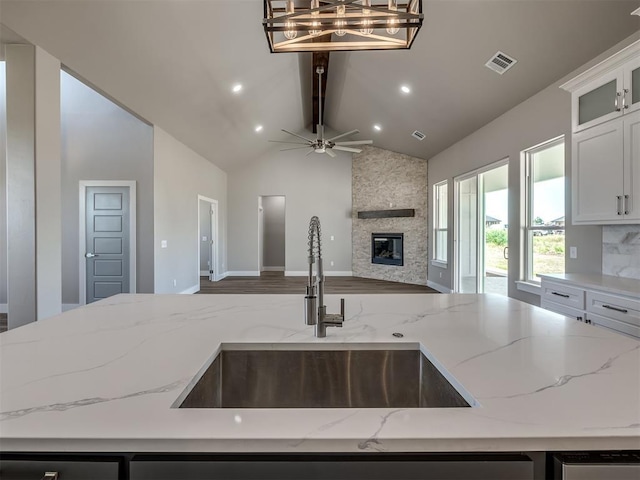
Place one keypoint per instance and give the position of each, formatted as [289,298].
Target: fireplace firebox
[386,248]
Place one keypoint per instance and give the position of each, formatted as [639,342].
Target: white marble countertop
[607,283]
[104,377]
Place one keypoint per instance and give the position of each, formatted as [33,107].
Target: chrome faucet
[315,312]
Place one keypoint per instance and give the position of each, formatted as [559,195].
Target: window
[440,222]
[544,223]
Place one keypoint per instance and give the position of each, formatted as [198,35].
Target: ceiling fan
[321,144]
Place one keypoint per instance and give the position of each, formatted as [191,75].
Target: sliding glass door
[481,230]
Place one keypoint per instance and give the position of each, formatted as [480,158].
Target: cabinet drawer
[67,470]
[623,309]
[620,327]
[562,310]
[563,294]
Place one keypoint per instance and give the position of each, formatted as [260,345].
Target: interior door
[107,242]
[212,247]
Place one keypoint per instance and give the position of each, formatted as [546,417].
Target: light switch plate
[163,244]
[573,252]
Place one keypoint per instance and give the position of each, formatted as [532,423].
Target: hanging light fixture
[333,25]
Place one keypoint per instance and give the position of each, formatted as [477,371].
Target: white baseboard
[69,306]
[273,269]
[3,308]
[190,290]
[204,273]
[239,273]
[330,273]
[438,287]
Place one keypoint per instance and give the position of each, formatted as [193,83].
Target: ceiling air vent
[500,62]
[419,135]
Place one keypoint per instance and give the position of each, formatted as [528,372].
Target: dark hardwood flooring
[277,283]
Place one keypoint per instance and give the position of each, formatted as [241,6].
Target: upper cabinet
[605,154]
[607,91]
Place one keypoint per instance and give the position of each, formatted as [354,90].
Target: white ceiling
[174,63]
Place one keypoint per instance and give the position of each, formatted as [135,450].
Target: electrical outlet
[332,238]
[573,252]
[332,263]
[175,282]
[440,274]
[163,244]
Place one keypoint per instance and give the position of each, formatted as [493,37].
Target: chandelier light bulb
[315,24]
[340,23]
[392,23]
[290,32]
[366,24]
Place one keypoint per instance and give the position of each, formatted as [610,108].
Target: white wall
[540,118]
[313,185]
[102,141]
[274,231]
[179,176]
[3,189]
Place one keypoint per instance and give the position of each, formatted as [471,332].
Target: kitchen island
[106,377]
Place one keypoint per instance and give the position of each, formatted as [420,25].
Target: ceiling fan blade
[352,132]
[310,152]
[329,152]
[296,135]
[356,142]
[347,149]
[292,143]
[294,148]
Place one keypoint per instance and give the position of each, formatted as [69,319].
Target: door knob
[91,255]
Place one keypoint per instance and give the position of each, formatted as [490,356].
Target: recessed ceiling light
[377,127]
[405,89]
[258,128]
[237,87]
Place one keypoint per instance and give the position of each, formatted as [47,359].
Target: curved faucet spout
[315,310]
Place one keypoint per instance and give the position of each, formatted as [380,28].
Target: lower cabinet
[424,467]
[615,311]
[57,468]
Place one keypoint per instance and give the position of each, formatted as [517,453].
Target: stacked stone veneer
[384,180]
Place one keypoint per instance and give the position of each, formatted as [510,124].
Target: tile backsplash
[621,250]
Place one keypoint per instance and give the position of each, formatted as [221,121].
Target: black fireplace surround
[387,249]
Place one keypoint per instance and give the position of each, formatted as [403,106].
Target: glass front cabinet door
[609,96]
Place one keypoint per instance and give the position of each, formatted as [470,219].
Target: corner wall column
[34,271]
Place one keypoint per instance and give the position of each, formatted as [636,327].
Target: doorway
[208,238]
[271,233]
[481,230]
[107,239]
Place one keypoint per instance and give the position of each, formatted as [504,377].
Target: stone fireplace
[387,248]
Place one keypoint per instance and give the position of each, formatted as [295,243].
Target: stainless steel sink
[322,379]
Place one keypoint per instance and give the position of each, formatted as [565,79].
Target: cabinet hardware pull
[617,104]
[621,310]
[624,99]
[50,476]
[618,204]
[560,294]
[626,204]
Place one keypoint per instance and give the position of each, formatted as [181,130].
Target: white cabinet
[609,90]
[605,154]
[606,172]
[617,310]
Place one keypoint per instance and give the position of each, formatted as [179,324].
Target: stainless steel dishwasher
[597,466]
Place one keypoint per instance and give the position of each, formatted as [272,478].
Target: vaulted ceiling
[174,62]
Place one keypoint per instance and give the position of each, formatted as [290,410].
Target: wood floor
[277,283]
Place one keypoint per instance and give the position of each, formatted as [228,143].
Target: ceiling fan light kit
[338,25]
[321,144]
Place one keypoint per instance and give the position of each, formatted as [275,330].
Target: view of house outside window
[545,220]
[440,222]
